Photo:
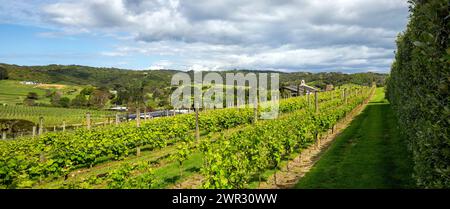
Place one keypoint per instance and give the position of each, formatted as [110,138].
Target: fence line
[41,129]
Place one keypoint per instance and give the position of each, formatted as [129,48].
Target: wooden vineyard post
[360,93]
[345,96]
[64,126]
[117,119]
[138,124]
[4,135]
[316,97]
[197,130]
[138,117]
[42,157]
[54,128]
[255,110]
[138,151]
[309,101]
[88,121]
[34,132]
[41,126]
[41,130]
[318,140]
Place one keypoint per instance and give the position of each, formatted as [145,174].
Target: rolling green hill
[113,77]
[14,92]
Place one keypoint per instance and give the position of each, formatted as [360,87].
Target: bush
[32,96]
[64,102]
[418,90]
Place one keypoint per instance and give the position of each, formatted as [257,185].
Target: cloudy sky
[287,35]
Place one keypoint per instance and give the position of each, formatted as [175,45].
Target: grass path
[368,154]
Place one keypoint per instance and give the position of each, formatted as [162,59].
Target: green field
[53,116]
[13,92]
[370,153]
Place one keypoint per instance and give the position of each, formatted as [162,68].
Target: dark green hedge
[3,73]
[418,88]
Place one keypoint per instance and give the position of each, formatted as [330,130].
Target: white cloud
[205,34]
[161,64]
[113,54]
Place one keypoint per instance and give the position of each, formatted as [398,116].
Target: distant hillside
[14,92]
[113,77]
[83,75]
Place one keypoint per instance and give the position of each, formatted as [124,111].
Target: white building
[29,83]
[119,108]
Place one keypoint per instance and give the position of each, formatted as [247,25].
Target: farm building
[29,83]
[300,89]
[119,108]
[329,87]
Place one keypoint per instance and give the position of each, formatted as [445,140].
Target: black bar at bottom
[161,198]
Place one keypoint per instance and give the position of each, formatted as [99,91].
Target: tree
[87,91]
[56,97]
[79,101]
[163,103]
[132,94]
[32,96]
[3,73]
[99,98]
[49,93]
[64,102]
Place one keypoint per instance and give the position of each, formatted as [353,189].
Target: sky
[286,35]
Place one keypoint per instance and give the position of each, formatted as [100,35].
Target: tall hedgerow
[418,88]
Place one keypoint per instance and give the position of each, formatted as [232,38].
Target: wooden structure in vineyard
[300,89]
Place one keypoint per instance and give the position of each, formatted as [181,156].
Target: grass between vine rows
[370,153]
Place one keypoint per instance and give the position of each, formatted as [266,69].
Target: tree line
[146,88]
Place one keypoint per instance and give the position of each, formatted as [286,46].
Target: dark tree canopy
[3,73]
[32,95]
